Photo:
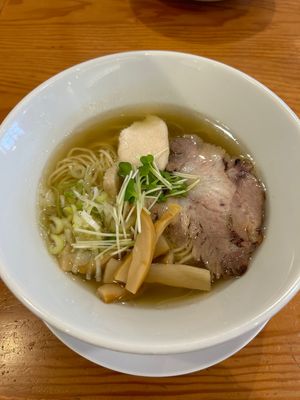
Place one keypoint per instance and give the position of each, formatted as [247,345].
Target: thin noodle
[81,163]
[183,253]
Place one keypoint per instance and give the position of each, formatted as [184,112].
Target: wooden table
[39,38]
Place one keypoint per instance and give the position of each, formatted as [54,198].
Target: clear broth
[180,121]
[106,128]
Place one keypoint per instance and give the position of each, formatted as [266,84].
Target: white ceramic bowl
[259,118]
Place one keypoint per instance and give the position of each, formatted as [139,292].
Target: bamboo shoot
[142,254]
[161,224]
[111,292]
[179,275]
[162,247]
[122,271]
[110,270]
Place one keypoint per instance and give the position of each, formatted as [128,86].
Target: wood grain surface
[39,38]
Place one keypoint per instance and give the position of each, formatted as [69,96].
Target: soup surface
[180,121]
[66,208]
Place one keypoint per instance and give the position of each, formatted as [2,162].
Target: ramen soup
[158,201]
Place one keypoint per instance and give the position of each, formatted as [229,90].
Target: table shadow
[205,22]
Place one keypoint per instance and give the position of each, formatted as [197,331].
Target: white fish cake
[149,136]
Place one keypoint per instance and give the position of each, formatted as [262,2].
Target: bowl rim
[123,346]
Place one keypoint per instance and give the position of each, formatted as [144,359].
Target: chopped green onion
[57,245]
[57,225]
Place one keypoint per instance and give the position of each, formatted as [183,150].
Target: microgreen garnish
[124,169]
[130,193]
[153,183]
[106,226]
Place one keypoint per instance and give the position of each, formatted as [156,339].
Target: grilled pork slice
[222,216]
